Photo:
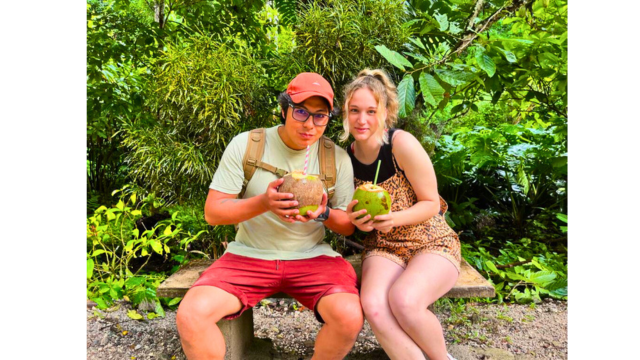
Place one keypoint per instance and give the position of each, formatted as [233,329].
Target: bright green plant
[113,242]
[522,271]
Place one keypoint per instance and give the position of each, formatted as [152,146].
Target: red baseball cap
[306,85]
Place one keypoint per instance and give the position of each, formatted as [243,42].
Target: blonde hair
[384,91]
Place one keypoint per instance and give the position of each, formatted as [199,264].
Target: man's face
[296,134]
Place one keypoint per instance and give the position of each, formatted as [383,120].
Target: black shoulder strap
[395,162]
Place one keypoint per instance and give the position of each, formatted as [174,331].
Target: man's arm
[227,209]
[339,222]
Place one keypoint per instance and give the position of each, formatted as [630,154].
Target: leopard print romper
[402,243]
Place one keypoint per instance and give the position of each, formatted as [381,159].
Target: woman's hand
[365,223]
[384,223]
[277,202]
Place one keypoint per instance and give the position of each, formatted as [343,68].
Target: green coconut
[307,190]
[373,198]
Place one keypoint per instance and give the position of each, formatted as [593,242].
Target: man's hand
[280,203]
[383,223]
[314,214]
[365,223]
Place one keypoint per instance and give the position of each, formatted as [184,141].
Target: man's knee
[201,306]
[346,316]
[193,310]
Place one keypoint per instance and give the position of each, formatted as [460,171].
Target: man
[276,248]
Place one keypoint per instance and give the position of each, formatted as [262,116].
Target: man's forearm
[338,222]
[234,211]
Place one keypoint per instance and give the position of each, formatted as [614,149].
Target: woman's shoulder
[402,140]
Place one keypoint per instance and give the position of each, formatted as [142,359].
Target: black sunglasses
[301,114]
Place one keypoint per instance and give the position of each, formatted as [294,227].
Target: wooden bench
[238,333]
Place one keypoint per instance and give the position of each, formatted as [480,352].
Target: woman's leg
[378,275]
[426,279]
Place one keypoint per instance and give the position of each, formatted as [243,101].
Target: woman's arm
[413,159]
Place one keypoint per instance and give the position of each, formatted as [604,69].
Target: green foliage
[337,39]
[169,83]
[523,271]
[512,171]
[280,37]
[120,48]
[289,11]
[461,56]
[117,251]
[205,93]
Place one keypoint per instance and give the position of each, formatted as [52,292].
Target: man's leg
[199,311]
[343,319]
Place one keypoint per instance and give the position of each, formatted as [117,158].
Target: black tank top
[368,172]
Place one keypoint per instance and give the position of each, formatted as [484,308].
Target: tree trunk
[159,12]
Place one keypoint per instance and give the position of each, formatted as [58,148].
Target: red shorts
[307,280]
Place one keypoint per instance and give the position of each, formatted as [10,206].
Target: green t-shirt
[266,236]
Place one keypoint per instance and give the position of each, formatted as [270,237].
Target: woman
[411,256]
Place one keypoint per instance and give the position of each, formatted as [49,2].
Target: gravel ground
[473,331]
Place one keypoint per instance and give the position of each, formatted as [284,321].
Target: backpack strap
[327,162]
[253,158]
[252,154]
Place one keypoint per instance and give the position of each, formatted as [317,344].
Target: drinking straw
[375,180]
[306,162]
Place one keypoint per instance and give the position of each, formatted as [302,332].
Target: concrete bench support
[238,333]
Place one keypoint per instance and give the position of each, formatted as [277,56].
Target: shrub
[522,271]
[511,172]
[206,92]
[118,252]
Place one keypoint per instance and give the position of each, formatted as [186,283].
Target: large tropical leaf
[406,96]
[395,58]
[431,89]
[486,63]
[288,10]
[455,77]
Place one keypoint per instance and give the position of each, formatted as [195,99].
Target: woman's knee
[405,303]
[376,308]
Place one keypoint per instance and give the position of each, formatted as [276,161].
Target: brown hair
[384,91]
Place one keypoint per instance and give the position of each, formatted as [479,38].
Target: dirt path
[473,331]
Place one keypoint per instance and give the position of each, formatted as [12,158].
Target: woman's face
[363,120]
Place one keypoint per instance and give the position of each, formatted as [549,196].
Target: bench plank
[470,283]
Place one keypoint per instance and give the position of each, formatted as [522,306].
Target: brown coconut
[306,189]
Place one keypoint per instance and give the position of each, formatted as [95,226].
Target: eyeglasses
[301,114]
